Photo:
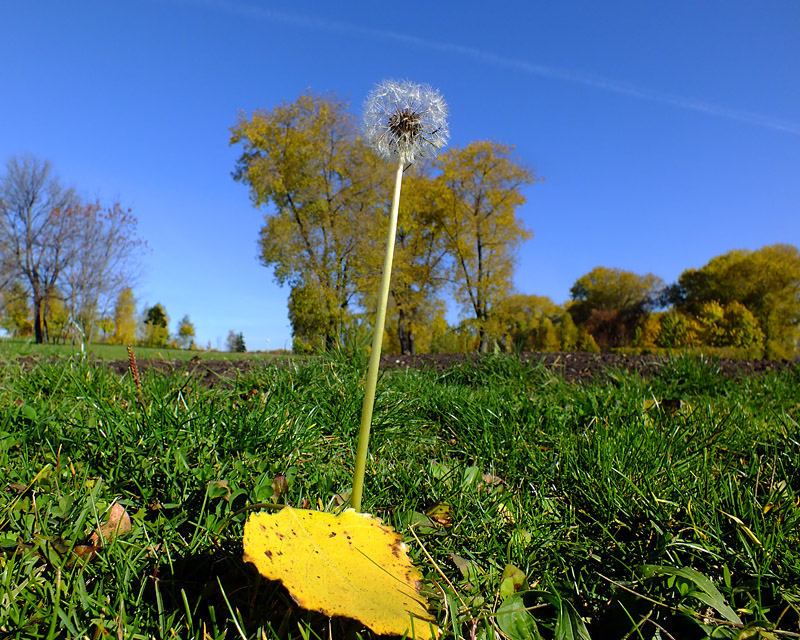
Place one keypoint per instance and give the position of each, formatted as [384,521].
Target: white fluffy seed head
[406,121]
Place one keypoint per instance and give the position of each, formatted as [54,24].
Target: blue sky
[667,133]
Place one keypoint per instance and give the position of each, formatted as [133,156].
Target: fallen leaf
[512,580]
[346,565]
[468,569]
[441,513]
[85,551]
[280,487]
[492,481]
[118,524]
[218,489]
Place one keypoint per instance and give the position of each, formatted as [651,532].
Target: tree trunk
[405,335]
[37,316]
[484,340]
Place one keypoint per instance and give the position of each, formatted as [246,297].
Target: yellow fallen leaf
[441,513]
[346,565]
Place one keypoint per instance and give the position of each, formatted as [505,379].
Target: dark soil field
[573,367]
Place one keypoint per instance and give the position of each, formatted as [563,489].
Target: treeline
[66,265]
[64,257]
[740,304]
[326,200]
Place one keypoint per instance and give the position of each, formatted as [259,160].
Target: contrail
[488,57]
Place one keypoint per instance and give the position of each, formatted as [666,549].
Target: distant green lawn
[631,508]
[10,348]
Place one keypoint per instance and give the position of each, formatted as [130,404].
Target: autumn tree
[419,266]
[304,165]
[524,323]
[309,316]
[612,303]
[124,330]
[16,311]
[156,323]
[36,229]
[186,332]
[677,330]
[766,282]
[56,320]
[481,191]
[54,242]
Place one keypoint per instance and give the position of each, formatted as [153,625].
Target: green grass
[584,488]
[14,348]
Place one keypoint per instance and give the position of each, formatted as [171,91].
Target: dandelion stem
[375,354]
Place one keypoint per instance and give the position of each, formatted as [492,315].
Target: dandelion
[403,121]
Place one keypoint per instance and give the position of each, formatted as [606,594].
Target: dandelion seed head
[406,121]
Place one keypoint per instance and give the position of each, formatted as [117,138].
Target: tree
[54,242]
[309,317]
[677,330]
[235,342]
[523,323]
[766,282]
[612,303]
[124,331]
[481,191]
[647,333]
[16,317]
[742,329]
[56,321]
[418,270]
[36,229]
[102,261]
[304,162]
[185,332]
[156,323]
[568,332]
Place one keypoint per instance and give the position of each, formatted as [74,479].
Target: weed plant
[618,496]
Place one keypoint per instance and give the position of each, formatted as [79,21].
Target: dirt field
[573,367]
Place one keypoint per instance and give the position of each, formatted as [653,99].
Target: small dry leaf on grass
[118,523]
[348,565]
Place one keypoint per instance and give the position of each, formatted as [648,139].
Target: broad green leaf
[515,621]
[468,569]
[706,592]
[569,625]
[346,565]
[472,476]
[420,522]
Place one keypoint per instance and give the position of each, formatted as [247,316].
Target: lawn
[13,348]
[631,508]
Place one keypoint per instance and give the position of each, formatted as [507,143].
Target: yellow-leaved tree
[419,264]
[318,183]
[766,282]
[481,191]
[124,331]
[525,323]
[611,304]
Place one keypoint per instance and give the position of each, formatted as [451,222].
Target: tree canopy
[482,190]
[304,163]
[611,303]
[765,281]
